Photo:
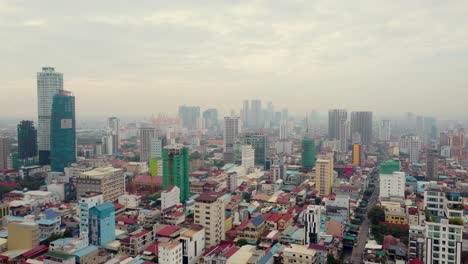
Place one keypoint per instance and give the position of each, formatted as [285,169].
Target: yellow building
[324,174]
[23,235]
[396,217]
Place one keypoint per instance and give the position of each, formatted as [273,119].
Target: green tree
[376,215]
[247,197]
[241,242]
[332,260]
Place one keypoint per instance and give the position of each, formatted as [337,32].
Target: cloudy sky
[134,58]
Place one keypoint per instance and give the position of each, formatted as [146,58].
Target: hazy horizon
[125,59]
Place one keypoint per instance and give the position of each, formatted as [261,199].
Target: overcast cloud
[135,58]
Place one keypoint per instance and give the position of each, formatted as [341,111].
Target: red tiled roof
[153,248]
[142,233]
[167,231]
[118,206]
[126,220]
[231,251]
[286,217]
[35,251]
[147,179]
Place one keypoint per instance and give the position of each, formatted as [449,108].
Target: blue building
[102,224]
[62,131]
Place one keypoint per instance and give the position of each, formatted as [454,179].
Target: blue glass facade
[62,131]
[102,224]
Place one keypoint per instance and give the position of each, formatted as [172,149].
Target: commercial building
[385,130]
[412,146]
[86,202]
[102,224]
[248,157]
[5,149]
[392,181]
[49,83]
[23,235]
[357,154]
[336,118]
[62,131]
[312,221]
[146,135]
[193,244]
[210,117]
[189,116]
[258,141]
[231,131]
[210,213]
[361,123]
[27,141]
[324,174]
[300,254]
[176,169]
[108,181]
[416,241]
[111,139]
[308,154]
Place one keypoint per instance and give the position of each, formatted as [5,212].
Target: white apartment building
[170,252]
[411,145]
[416,240]
[248,157]
[392,185]
[231,131]
[193,244]
[86,202]
[170,197]
[300,254]
[312,216]
[210,213]
[108,181]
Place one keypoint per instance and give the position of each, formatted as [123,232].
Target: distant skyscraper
[259,142]
[146,134]
[248,157]
[385,130]
[190,116]
[49,83]
[176,169]
[412,146]
[245,114]
[27,140]
[231,131]
[5,149]
[324,174]
[256,114]
[338,127]
[113,135]
[62,131]
[432,157]
[284,129]
[361,122]
[210,116]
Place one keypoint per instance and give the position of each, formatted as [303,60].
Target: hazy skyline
[134,58]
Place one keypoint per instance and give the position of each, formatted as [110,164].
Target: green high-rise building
[176,169]
[308,154]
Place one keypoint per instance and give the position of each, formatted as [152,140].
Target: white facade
[231,181]
[312,216]
[284,146]
[385,130]
[130,200]
[86,202]
[170,197]
[193,244]
[248,157]
[49,83]
[284,129]
[411,145]
[170,253]
[392,185]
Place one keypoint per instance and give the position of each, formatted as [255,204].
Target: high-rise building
[335,117]
[62,131]
[189,116]
[361,122]
[392,181]
[248,157]
[412,146]
[86,202]
[27,140]
[210,116]
[231,131]
[344,127]
[258,141]
[49,83]
[284,129]
[210,213]
[444,225]
[416,241]
[102,224]
[5,149]
[432,159]
[308,154]
[112,136]
[256,114]
[146,135]
[357,154]
[193,244]
[324,174]
[176,169]
[245,114]
[312,221]
[23,235]
[385,130]
[108,181]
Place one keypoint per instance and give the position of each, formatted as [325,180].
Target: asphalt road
[357,254]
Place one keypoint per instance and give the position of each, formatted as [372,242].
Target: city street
[356,256]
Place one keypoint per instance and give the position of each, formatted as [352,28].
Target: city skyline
[218,54]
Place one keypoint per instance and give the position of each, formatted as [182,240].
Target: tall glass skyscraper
[176,169]
[27,140]
[49,83]
[62,131]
